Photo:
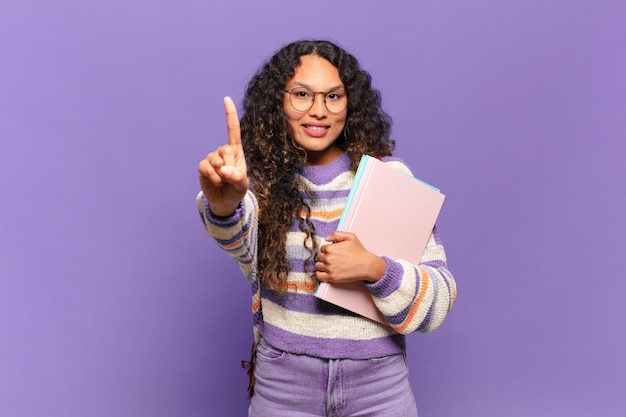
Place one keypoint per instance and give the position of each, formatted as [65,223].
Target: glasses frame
[315,93]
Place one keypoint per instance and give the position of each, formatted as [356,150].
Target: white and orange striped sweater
[412,297]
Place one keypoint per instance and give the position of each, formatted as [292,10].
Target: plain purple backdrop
[114,301]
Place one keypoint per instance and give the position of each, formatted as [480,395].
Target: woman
[272,198]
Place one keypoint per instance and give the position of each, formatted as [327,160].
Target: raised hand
[223,174]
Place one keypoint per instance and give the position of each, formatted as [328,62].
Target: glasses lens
[302,99]
[336,101]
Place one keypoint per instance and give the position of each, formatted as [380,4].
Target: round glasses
[302,99]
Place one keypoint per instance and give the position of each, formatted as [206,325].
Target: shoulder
[398,164]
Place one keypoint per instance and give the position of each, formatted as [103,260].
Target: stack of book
[393,214]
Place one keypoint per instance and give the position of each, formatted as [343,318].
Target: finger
[233,176]
[324,276]
[232,122]
[321,267]
[208,173]
[216,162]
[227,153]
[338,236]
[216,159]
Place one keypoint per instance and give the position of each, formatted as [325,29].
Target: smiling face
[315,129]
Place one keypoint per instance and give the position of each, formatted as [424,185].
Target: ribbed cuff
[390,281]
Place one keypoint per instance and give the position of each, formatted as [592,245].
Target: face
[316,129]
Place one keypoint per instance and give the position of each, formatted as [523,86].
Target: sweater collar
[321,174]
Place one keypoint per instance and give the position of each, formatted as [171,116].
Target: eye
[301,94]
[335,95]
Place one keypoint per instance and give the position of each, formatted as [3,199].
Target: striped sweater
[412,297]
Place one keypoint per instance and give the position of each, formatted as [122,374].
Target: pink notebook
[393,215]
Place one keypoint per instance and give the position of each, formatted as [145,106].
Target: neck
[323,157]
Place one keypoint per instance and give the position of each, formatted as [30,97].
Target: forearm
[416,297]
[235,233]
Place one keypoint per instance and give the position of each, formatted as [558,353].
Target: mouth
[316,127]
[315,130]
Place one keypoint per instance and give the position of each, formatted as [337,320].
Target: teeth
[316,127]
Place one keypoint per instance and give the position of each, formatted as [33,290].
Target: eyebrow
[338,87]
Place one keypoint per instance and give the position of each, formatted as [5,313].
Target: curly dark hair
[274,157]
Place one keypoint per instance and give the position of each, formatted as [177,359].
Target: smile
[315,127]
[316,130]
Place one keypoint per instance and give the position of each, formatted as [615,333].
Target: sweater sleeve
[416,297]
[236,234]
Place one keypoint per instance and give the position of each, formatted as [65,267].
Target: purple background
[114,302]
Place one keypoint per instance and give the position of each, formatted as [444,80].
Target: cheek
[341,122]
[290,113]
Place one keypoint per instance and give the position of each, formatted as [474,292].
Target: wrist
[221,210]
[376,269]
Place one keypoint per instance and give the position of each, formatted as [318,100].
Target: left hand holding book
[345,259]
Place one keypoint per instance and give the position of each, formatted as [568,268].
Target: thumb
[232,176]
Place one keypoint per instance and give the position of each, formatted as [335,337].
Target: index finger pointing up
[232,122]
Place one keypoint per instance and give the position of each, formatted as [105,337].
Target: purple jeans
[290,385]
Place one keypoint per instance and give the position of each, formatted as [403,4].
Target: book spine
[368,165]
[321,290]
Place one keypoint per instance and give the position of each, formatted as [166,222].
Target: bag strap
[251,364]
[249,367]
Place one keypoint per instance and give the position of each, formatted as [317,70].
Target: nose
[318,109]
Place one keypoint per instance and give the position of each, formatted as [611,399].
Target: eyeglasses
[302,99]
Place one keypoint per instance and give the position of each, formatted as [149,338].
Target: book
[393,214]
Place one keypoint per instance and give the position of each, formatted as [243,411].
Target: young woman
[272,197]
